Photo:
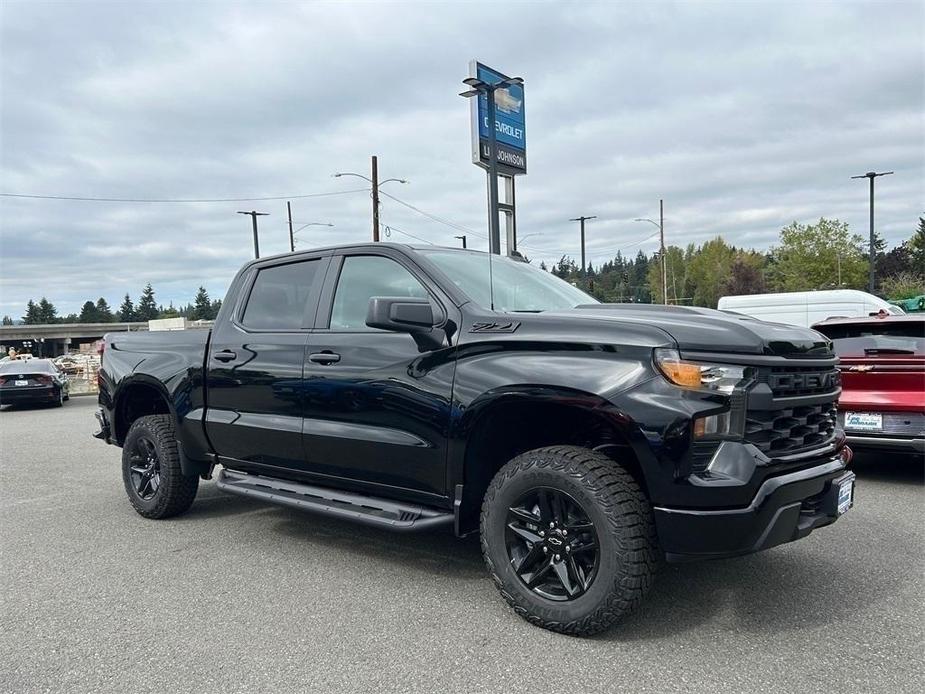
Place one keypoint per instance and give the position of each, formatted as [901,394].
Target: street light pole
[463,239]
[291,235]
[375,190]
[660,225]
[661,236]
[254,216]
[581,220]
[873,254]
[375,181]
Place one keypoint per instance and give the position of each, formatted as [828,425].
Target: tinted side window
[280,296]
[363,277]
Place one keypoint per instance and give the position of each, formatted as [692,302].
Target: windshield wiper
[526,310]
[888,350]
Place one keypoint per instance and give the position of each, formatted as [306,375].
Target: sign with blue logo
[510,127]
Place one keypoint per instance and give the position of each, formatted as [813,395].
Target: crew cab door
[376,408]
[254,366]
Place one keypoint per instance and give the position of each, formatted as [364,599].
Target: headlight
[712,378]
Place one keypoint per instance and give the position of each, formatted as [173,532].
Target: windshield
[885,339]
[517,286]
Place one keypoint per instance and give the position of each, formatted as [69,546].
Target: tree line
[824,255]
[147,308]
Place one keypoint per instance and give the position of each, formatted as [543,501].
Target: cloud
[743,117]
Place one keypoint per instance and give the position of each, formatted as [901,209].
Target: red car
[882,364]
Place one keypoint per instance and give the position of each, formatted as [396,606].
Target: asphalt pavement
[238,596]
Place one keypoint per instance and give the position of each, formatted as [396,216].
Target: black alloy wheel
[145,468]
[552,544]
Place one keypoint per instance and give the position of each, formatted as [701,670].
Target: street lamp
[872,175]
[375,183]
[309,224]
[478,88]
[253,215]
[661,233]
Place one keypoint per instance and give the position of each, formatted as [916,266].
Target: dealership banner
[510,123]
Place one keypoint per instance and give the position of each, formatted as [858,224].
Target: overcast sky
[743,116]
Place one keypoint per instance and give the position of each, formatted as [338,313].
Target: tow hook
[847,455]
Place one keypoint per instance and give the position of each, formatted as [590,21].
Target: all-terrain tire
[622,518]
[175,491]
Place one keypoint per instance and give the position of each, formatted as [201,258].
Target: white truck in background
[807,308]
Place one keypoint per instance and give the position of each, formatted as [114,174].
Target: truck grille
[791,430]
[790,381]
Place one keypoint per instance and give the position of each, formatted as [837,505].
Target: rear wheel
[154,481]
[569,539]
[60,401]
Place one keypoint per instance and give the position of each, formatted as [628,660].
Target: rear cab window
[281,296]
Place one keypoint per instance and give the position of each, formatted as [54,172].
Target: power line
[183,200]
[391,227]
[441,220]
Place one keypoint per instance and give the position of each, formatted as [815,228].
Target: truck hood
[706,330]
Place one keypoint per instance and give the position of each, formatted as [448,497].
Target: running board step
[370,510]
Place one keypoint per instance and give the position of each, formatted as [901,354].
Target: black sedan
[32,380]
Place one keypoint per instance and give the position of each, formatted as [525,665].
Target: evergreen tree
[32,314]
[47,312]
[104,314]
[202,308]
[169,312]
[71,318]
[88,313]
[147,308]
[7,320]
[127,309]
[916,247]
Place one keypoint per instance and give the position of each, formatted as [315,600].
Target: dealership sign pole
[498,142]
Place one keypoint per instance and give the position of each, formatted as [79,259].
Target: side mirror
[406,314]
[400,314]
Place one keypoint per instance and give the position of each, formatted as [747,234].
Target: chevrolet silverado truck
[416,388]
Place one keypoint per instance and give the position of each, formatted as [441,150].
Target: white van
[807,308]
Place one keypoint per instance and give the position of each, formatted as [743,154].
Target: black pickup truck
[421,387]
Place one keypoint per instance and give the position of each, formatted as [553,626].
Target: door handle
[225,355]
[324,358]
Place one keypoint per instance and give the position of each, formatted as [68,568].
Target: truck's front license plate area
[843,489]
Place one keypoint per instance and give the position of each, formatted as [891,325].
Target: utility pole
[661,234]
[375,180]
[463,239]
[254,216]
[582,220]
[873,252]
[291,235]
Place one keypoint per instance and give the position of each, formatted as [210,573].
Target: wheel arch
[138,397]
[499,426]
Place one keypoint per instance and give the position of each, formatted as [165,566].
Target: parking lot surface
[239,596]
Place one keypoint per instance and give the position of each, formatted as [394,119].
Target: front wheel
[569,539]
[154,481]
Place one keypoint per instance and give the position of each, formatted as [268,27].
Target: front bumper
[786,507]
[886,443]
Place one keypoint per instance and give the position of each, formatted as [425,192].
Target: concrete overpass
[52,340]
